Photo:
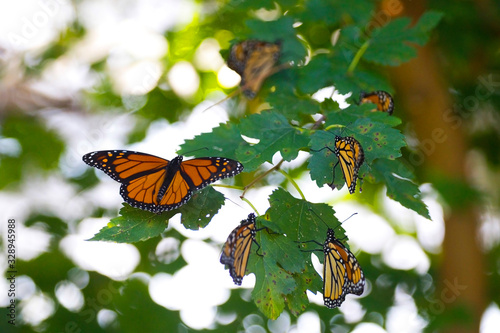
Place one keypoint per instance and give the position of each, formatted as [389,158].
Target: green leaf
[427,22]
[323,160]
[272,281]
[373,130]
[284,272]
[299,219]
[275,134]
[317,74]
[133,225]
[222,141]
[306,280]
[395,176]
[280,274]
[389,44]
[335,11]
[285,100]
[201,208]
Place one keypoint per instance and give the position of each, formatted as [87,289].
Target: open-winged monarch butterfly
[254,61]
[382,99]
[155,184]
[236,250]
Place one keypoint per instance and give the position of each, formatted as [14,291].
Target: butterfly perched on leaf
[254,61]
[351,156]
[383,100]
[156,184]
[342,273]
[236,250]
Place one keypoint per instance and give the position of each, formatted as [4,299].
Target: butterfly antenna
[234,93]
[226,198]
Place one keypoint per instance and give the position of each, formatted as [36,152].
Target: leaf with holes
[306,280]
[202,207]
[275,134]
[273,279]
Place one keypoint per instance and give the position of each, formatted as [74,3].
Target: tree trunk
[423,93]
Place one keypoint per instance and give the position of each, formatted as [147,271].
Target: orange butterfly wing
[236,250]
[254,61]
[381,98]
[195,174]
[155,184]
[342,273]
[351,156]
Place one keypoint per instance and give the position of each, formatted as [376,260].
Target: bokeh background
[78,76]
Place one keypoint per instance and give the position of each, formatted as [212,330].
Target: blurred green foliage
[355,61]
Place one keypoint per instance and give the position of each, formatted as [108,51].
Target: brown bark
[423,92]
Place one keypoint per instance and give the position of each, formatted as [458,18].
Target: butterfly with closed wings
[236,250]
[350,157]
[342,273]
[156,184]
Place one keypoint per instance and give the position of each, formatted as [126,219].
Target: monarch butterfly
[350,154]
[342,273]
[254,61]
[382,99]
[236,250]
[155,184]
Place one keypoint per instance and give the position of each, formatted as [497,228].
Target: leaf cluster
[295,121]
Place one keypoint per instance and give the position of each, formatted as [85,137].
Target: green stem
[250,204]
[252,183]
[334,126]
[358,56]
[290,179]
[229,186]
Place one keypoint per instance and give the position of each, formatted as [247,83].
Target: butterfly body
[254,61]
[382,99]
[236,250]
[342,273]
[156,184]
[351,156]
